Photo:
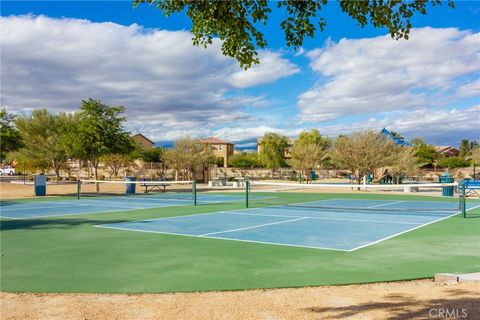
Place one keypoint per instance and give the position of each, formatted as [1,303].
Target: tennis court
[335,224]
[51,208]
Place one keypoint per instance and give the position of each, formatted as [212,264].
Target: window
[220,147]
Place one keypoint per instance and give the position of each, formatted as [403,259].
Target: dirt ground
[422,299]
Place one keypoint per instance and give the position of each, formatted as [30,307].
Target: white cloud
[163,80]
[378,74]
[441,126]
[469,89]
[272,67]
[252,133]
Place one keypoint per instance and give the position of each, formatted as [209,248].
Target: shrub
[453,162]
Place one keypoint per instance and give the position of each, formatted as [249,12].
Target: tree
[244,162]
[153,155]
[363,152]
[115,162]
[453,162]
[464,148]
[396,134]
[308,150]
[10,138]
[43,134]
[100,132]
[425,153]
[476,155]
[186,155]
[272,150]
[405,161]
[238,23]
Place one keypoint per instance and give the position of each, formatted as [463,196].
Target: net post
[462,199]
[194,192]
[79,183]
[247,191]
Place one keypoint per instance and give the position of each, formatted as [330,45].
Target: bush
[453,162]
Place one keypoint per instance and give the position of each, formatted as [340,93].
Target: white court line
[80,213]
[397,234]
[472,208]
[253,227]
[7,217]
[30,208]
[385,204]
[323,218]
[254,241]
[218,238]
[67,214]
[423,225]
[68,206]
[105,226]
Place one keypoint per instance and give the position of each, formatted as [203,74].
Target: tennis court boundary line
[104,226]
[90,212]
[400,233]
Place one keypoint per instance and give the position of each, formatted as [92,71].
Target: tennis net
[168,190]
[429,198]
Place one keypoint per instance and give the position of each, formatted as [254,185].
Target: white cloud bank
[168,85]
[379,75]
[445,126]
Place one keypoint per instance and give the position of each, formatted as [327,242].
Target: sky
[54,54]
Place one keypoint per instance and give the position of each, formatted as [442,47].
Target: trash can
[40,183]
[130,188]
[313,175]
[446,178]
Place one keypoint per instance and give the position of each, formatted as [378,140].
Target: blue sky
[56,53]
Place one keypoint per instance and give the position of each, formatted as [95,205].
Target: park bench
[154,185]
[472,187]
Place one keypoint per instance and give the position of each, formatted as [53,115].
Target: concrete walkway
[453,278]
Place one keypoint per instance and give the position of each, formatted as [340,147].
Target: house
[447,151]
[288,150]
[144,143]
[221,149]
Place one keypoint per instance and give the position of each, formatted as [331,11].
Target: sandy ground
[422,299]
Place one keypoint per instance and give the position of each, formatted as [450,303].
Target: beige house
[144,143]
[221,149]
[288,150]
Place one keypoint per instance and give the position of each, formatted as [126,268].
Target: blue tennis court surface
[40,209]
[319,228]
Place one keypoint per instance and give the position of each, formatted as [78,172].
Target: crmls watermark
[447,313]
